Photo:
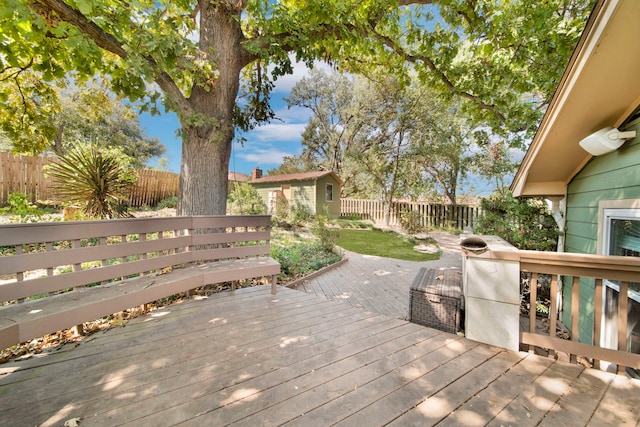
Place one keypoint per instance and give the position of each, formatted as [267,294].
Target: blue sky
[265,146]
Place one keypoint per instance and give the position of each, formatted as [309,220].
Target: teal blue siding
[614,176]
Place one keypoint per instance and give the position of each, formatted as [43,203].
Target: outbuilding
[317,192]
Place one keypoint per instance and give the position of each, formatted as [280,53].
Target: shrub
[169,202]
[327,236]
[411,222]
[525,223]
[19,205]
[95,178]
[300,259]
[245,200]
[282,206]
[299,214]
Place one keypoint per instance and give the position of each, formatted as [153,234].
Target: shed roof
[238,177]
[599,88]
[302,176]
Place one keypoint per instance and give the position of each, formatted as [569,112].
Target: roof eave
[567,120]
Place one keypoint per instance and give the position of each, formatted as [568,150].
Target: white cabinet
[491,283]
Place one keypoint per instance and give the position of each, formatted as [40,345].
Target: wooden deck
[249,358]
[378,284]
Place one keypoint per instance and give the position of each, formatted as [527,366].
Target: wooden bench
[58,275]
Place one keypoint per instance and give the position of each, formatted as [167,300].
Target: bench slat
[61,311]
[238,269]
[15,234]
[17,290]
[232,221]
[34,261]
[237,252]
[215,238]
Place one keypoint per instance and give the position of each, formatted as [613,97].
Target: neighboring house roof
[238,177]
[303,176]
[599,88]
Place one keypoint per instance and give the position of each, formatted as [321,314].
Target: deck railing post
[623,306]
[575,304]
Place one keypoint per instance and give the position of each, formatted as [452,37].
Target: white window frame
[327,192]
[610,214]
[608,210]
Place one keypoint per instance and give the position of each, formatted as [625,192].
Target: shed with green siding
[595,193]
[316,192]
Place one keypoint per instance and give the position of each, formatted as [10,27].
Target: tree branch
[326,31]
[411,2]
[17,72]
[109,43]
[440,75]
[14,73]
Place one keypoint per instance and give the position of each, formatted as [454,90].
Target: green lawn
[379,243]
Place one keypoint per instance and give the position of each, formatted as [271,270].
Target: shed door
[286,191]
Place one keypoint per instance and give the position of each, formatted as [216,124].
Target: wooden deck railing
[571,268]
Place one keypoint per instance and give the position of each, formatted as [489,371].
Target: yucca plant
[95,178]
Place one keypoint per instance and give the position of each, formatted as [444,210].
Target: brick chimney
[256,173]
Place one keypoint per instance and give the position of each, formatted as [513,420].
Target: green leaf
[24,26]
[85,7]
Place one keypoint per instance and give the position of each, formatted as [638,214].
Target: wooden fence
[152,187]
[24,174]
[430,215]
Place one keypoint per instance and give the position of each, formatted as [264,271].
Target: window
[621,237]
[329,193]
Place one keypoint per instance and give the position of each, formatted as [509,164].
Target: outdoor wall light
[605,141]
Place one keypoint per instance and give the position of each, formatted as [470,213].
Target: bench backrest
[44,258]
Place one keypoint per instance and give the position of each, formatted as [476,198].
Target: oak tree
[191,54]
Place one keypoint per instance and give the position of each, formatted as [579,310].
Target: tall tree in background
[399,138]
[90,113]
[292,164]
[495,160]
[80,113]
[331,128]
[442,143]
[385,115]
[503,59]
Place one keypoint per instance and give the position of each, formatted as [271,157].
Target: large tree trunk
[206,147]
[203,175]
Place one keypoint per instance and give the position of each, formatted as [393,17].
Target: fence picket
[431,216]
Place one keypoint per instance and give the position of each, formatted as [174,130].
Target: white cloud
[285,83]
[278,132]
[293,115]
[262,156]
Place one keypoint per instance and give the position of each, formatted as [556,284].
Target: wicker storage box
[436,299]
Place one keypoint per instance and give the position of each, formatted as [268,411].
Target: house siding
[303,194]
[263,191]
[309,194]
[331,208]
[614,176]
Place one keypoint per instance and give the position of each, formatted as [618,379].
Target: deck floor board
[250,358]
